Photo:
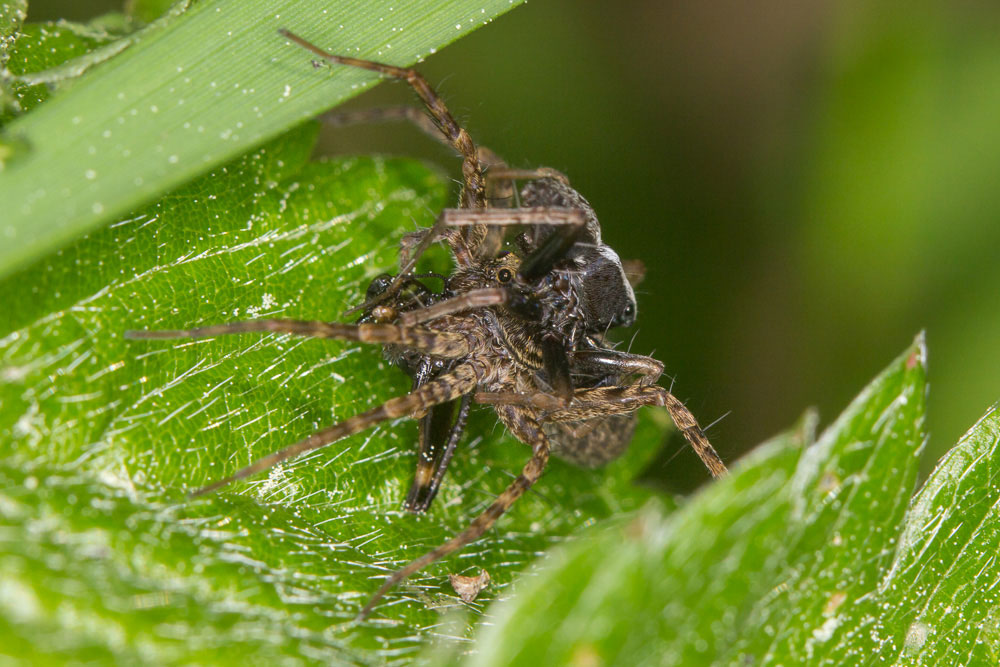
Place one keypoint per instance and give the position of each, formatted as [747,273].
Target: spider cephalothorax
[519,324]
[588,280]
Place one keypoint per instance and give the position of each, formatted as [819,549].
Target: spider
[517,325]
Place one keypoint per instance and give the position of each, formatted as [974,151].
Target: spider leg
[510,174]
[524,426]
[460,381]
[478,298]
[534,400]
[474,191]
[598,426]
[688,425]
[598,402]
[445,344]
[509,217]
[570,221]
[601,402]
[474,188]
[499,177]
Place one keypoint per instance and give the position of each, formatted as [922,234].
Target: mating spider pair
[522,330]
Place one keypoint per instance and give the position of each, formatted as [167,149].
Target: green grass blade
[203,88]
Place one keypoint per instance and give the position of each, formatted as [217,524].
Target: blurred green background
[809,184]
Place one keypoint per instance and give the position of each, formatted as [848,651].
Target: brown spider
[522,330]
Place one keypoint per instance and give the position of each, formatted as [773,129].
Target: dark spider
[522,331]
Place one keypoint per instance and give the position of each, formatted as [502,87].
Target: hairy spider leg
[594,408]
[570,222]
[498,175]
[500,185]
[498,172]
[445,344]
[537,400]
[526,429]
[688,425]
[478,298]
[458,382]
[606,401]
[471,249]
[474,187]
[615,363]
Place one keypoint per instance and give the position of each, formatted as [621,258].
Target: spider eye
[627,317]
[504,275]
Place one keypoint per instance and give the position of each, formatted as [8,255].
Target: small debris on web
[468,587]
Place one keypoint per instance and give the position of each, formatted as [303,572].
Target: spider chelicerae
[519,324]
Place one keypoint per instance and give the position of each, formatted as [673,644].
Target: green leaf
[200,86]
[941,586]
[784,562]
[12,15]
[102,435]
